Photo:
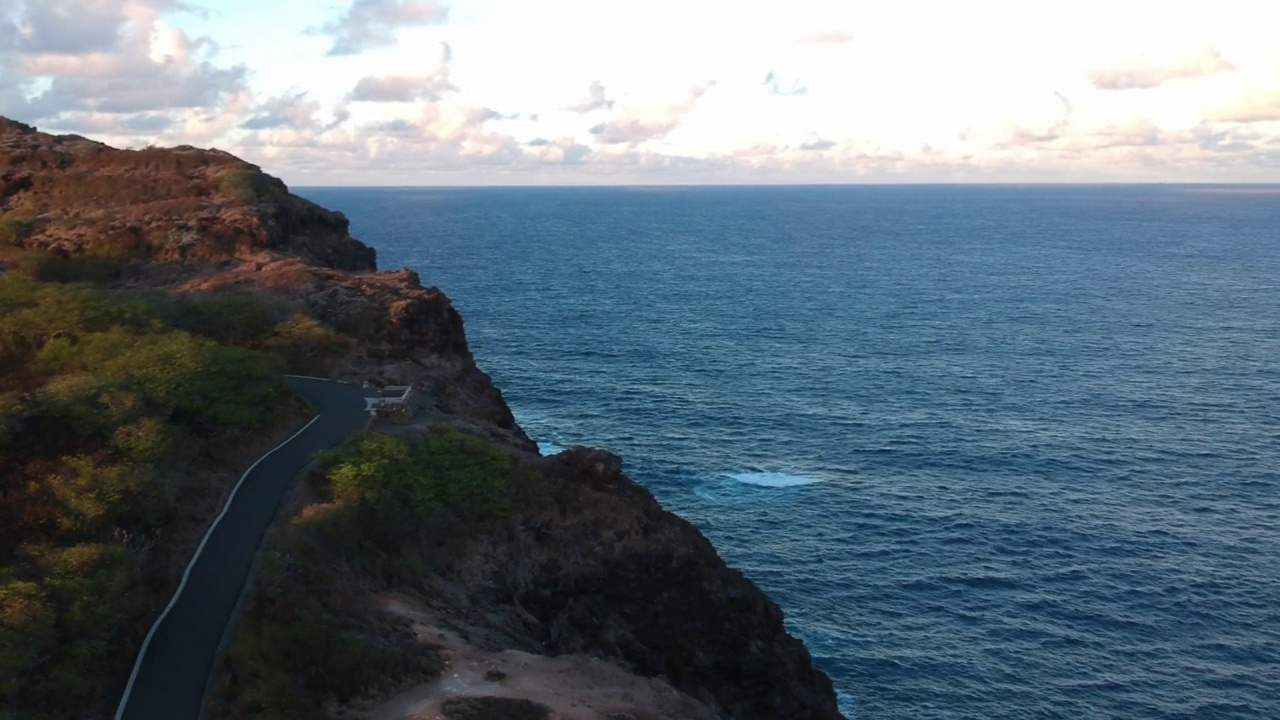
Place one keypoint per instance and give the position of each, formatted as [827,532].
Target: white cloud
[1146,72]
[1156,91]
[430,85]
[564,151]
[1253,108]
[73,27]
[371,24]
[638,124]
[595,99]
[400,88]
[110,56]
[283,111]
[818,145]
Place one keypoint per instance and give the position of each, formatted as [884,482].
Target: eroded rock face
[75,195]
[193,220]
[595,566]
[599,568]
[406,334]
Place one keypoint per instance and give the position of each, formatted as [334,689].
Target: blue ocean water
[999,452]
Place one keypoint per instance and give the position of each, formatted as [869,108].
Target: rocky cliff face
[603,570]
[74,195]
[191,220]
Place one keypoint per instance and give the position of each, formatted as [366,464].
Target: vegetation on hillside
[108,400]
[388,510]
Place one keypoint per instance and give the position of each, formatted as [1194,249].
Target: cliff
[589,566]
[203,221]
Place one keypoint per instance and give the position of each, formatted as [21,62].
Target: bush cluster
[245,187]
[104,402]
[306,641]
[14,230]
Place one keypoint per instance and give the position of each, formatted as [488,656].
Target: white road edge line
[308,377]
[124,701]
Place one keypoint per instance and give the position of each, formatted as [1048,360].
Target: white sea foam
[772,479]
[546,448]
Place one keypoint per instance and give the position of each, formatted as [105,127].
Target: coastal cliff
[577,564]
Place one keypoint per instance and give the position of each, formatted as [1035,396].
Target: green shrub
[33,312]
[400,482]
[77,268]
[305,643]
[62,624]
[103,398]
[218,390]
[233,318]
[14,230]
[306,345]
[474,476]
[245,187]
[382,471]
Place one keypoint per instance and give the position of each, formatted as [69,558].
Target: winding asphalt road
[172,669]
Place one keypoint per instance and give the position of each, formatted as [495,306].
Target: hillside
[437,540]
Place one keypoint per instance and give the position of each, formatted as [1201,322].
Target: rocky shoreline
[599,571]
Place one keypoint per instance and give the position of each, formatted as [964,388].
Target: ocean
[997,451]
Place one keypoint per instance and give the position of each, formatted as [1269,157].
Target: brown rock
[593,564]
[161,204]
[589,563]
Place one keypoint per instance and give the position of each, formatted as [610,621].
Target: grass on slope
[108,402]
[388,505]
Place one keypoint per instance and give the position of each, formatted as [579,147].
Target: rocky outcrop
[590,564]
[75,196]
[595,566]
[406,334]
[192,220]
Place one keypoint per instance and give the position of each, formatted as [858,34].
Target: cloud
[112,123]
[293,113]
[147,123]
[779,87]
[1136,150]
[1056,124]
[1146,73]
[566,150]
[637,126]
[71,26]
[289,110]
[595,99]
[1251,109]
[399,126]
[429,86]
[400,88]
[818,145]
[139,88]
[371,24]
[1136,134]
[1226,140]
[827,37]
[109,56]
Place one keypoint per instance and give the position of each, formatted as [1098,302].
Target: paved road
[171,672]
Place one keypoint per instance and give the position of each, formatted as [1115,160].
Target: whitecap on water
[546,448]
[748,487]
[772,479]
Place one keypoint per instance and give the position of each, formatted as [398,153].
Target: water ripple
[1044,422]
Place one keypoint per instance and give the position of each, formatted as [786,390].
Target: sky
[554,92]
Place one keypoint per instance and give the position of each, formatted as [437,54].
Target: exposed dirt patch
[570,687]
